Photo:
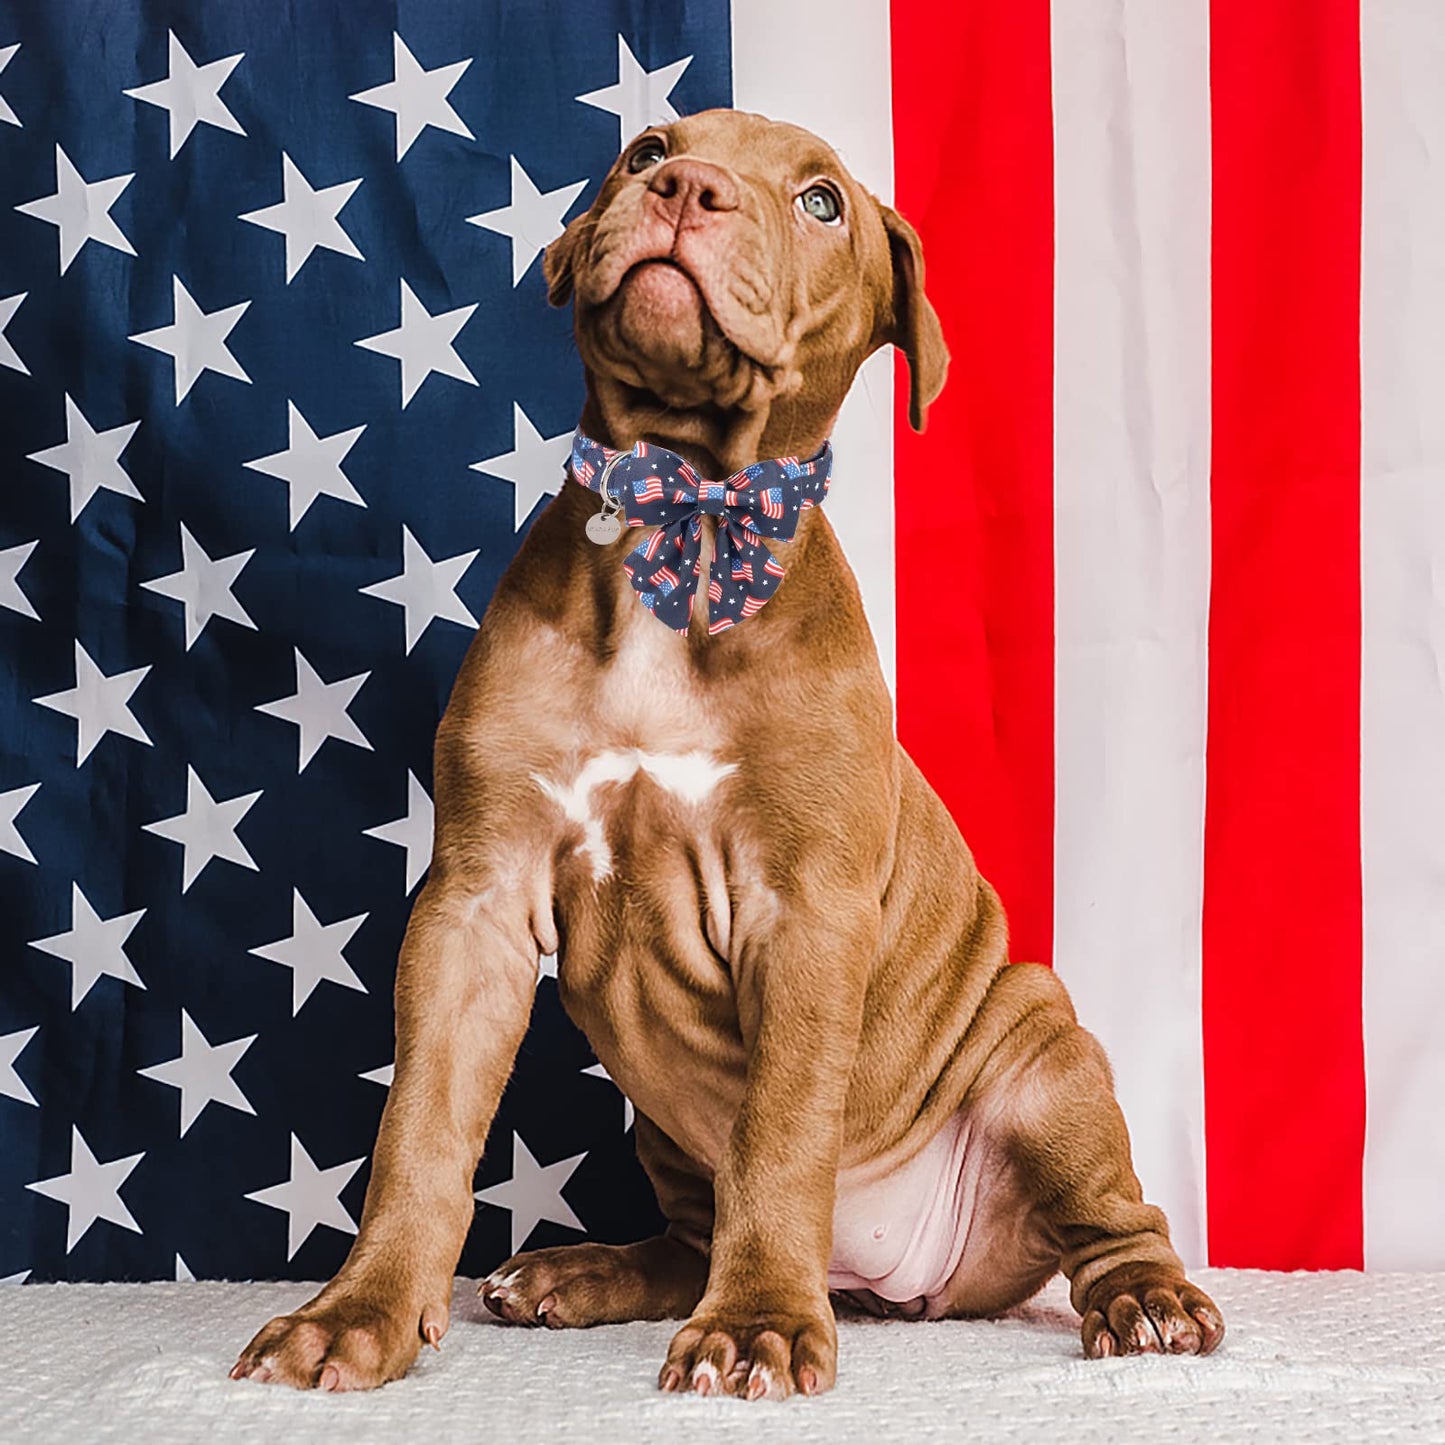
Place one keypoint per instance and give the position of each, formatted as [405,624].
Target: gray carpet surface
[1308,1357]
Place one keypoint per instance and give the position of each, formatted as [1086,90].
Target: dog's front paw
[341,1342]
[1144,1310]
[754,1354]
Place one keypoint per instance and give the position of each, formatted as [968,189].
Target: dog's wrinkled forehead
[774,159]
[772,152]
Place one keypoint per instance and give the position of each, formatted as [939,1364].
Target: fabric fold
[655,487]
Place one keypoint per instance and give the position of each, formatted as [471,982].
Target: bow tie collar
[654,487]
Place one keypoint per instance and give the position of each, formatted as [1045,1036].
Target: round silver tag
[603,527]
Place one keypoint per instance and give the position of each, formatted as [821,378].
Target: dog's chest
[646,718]
[649,693]
[598,800]
[645,915]
[648,756]
[649,798]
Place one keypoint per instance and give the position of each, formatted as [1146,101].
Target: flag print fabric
[657,488]
[1156,590]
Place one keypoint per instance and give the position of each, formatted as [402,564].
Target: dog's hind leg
[575,1285]
[1050,1099]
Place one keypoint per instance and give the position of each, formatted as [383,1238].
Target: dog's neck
[590,592]
[714,440]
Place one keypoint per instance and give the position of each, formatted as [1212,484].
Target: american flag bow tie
[657,488]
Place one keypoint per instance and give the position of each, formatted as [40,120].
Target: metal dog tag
[603,527]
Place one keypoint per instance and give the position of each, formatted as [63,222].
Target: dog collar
[653,487]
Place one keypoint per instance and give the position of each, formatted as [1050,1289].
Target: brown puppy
[766,922]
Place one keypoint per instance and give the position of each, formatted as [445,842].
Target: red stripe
[973,147]
[1283,1049]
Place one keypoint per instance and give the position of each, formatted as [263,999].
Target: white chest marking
[690,776]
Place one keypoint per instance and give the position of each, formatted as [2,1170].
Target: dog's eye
[821,202]
[649,153]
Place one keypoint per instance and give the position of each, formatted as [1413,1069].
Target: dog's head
[733,275]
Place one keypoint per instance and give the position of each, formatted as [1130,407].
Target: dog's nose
[690,191]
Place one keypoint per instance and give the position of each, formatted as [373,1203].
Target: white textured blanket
[1321,1357]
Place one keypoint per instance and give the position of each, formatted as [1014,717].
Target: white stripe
[1402,814]
[1131,559]
[825,65]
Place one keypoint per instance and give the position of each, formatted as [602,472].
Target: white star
[206,830]
[533,220]
[319,710]
[7,54]
[93,946]
[413,832]
[196,340]
[90,459]
[12,1086]
[20,1278]
[546,966]
[529,465]
[9,305]
[99,704]
[202,1073]
[310,1197]
[12,559]
[639,98]
[307,218]
[424,589]
[423,343]
[10,805]
[533,1193]
[183,1271]
[629,1113]
[311,465]
[191,93]
[313,952]
[417,97]
[80,209]
[383,1075]
[90,1191]
[203,586]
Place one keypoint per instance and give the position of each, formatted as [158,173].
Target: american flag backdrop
[1157,591]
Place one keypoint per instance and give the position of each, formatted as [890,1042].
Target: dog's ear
[557,260]
[915,328]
